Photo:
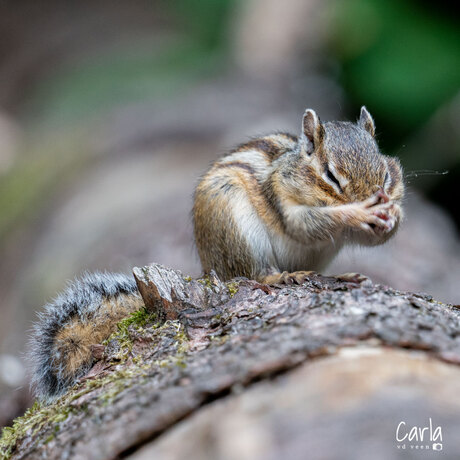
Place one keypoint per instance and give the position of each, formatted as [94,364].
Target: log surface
[242,370]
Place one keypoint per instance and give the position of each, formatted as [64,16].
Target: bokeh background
[110,111]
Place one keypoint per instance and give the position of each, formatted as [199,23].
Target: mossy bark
[247,338]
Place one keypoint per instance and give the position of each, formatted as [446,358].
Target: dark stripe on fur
[272,200]
[265,146]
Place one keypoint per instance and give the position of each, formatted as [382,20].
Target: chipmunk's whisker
[424,172]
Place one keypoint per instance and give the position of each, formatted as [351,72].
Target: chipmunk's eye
[331,178]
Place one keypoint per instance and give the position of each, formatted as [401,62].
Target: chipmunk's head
[342,162]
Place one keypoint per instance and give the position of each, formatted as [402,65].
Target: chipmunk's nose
[378,189]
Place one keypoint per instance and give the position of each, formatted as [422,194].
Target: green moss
[118,381]
[232,288]
[33,420]
[54,414]
[138,319]
[205,282]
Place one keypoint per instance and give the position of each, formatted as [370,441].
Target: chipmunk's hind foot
[288,278]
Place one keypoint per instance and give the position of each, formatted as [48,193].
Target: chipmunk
[274,209]
[279,207]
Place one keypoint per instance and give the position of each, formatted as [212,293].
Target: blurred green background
[110,111]
[400,58]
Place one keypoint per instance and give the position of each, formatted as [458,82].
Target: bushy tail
[86,313]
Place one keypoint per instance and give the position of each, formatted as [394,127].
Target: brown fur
[72,344]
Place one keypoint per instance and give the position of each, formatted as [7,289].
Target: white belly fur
[293,256]
[279,252]
[253,230]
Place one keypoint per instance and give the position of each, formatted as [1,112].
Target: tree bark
[327,369]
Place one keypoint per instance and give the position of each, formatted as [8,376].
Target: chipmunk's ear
[312,131]
[366,121]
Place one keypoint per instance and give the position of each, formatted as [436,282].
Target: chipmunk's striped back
[269,147]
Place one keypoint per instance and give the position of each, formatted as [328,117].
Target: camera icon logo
[437,446]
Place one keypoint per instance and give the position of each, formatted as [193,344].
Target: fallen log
[328,369]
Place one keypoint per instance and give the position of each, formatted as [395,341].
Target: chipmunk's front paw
[380,219]
[376,216]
